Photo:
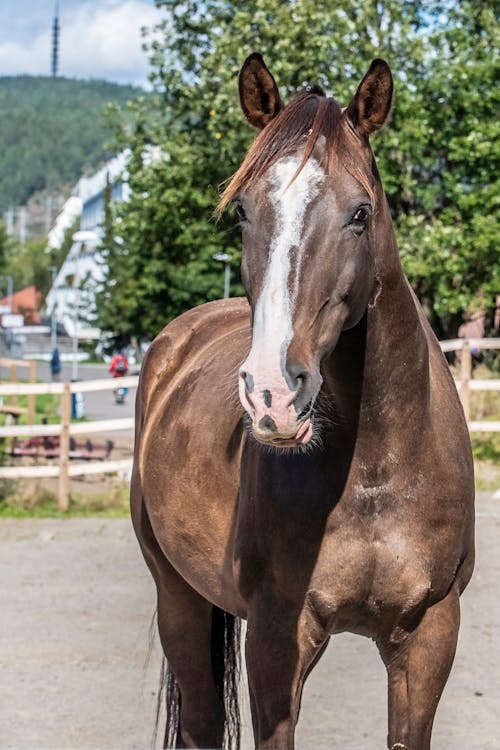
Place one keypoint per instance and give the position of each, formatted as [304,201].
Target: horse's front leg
[282,644]
[418,668]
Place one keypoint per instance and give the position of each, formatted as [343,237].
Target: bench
[48,447]
[13,411]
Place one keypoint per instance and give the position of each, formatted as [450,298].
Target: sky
[98,38]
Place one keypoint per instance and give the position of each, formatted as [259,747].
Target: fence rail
[122,465]
[81,386]
[466,384]
[64,469]
[66,429]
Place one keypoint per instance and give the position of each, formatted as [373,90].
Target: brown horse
[337,493]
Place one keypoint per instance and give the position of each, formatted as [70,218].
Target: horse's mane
[297,127]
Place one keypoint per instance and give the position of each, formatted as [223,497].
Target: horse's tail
[226,632]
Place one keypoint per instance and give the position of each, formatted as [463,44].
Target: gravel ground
[75,611]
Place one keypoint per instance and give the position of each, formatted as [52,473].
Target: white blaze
[272,326]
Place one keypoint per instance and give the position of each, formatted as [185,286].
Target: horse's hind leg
[185,628]
[418,669]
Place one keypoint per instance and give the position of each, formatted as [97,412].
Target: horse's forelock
[298,126]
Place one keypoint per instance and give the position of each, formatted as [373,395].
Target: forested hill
[51,129]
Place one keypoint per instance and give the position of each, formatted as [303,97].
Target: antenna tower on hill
[55,41]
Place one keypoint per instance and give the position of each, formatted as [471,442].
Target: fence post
[31,396]
[13,379]
[465,376]
[64,448]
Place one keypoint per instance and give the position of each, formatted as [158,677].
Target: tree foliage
[435,157]
[448,234]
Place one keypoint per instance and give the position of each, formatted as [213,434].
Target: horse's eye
[361,215]
[240,211]
[360,219]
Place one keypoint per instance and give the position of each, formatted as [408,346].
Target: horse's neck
[380,369]
[396,367]
[397,339]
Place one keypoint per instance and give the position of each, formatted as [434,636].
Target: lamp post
[224,258]
[80,240]
[53,319]
[76,301]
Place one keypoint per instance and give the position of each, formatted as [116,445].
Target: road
[76,607]
[98,405]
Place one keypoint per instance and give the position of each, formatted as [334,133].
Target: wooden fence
[65,469]
[66,429]
[467,384]
[11,407]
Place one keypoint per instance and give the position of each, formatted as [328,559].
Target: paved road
[75,608]
[98,405]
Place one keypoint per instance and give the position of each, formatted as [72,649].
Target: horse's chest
[360,584]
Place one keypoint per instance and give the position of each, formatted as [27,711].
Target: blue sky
[98,39]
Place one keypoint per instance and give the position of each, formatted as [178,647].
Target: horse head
[306,195]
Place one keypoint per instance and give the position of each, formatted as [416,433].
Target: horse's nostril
[297,382]
[296,375]
[248,380]
[267,424]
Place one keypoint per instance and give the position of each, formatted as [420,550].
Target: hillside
[51,130]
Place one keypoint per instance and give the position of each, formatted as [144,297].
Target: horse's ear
[370,106]
[259,95]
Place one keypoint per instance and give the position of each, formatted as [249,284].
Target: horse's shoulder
[184,338]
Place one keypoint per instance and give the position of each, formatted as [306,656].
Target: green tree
[448,235]
[6,245]
[190,137]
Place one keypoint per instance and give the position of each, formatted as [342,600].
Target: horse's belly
[191,505]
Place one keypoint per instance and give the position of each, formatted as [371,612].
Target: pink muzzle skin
[274,416]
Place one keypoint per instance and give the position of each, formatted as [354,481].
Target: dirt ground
[76,605]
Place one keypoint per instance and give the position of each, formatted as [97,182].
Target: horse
[302,461]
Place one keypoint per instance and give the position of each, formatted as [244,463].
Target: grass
[485,406]
[486,452]
[47,407]
[22,500]
[28,499]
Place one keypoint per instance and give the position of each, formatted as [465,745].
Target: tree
[448,234]
[190,137]
[6,245]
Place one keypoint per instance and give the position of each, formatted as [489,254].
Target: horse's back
[189,428]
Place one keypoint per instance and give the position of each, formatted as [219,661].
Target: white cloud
[98,40]
[18,58]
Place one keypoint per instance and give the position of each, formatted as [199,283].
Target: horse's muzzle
[280,416]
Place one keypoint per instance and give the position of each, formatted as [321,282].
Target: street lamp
[53,319]
[81,238]
[225,258]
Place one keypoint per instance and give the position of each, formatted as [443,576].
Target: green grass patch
[20,499]
[46,405]
[486,446]
[485,406]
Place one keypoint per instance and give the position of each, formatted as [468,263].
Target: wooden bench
[13,411]
[48,447]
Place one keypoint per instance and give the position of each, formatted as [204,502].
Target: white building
[71,298]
